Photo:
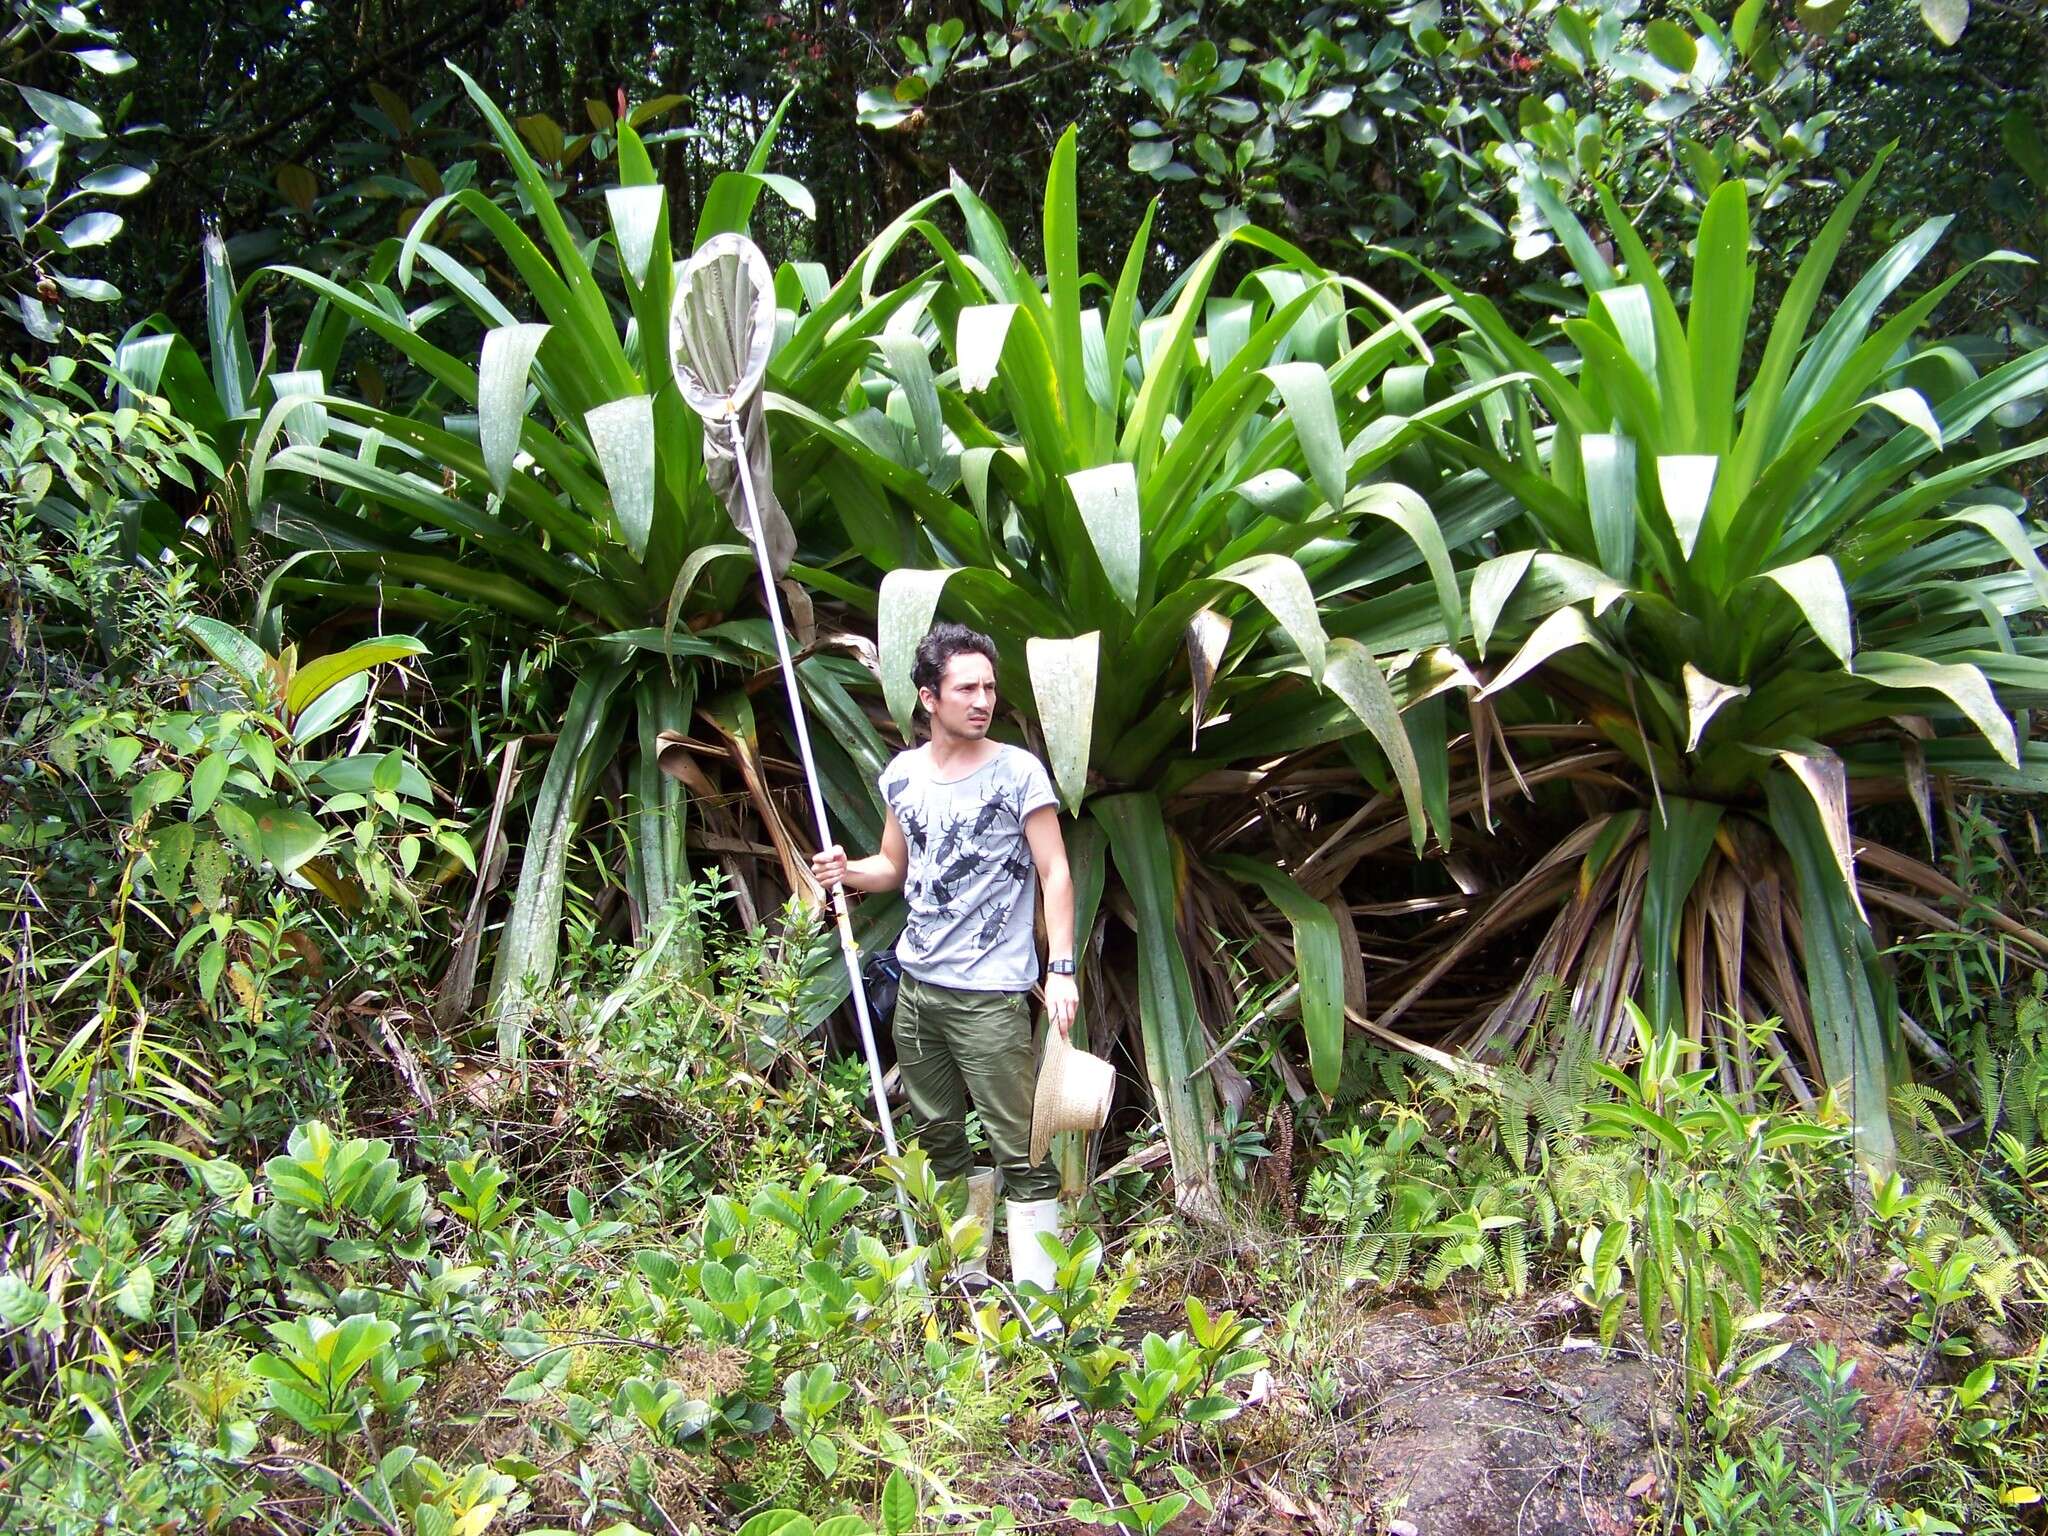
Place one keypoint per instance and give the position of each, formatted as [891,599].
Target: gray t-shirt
[971,886]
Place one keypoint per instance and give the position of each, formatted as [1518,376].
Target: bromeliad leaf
[501,395]
[1822,774]
[1609,463]
[1319,953]
[908,601]
[637,214]
[1107,499]
[1687,483]
[622,435]
[1279,582]
[1562,631]
[1962,684]
[1703,700]
[1305,387]
[1355,677]
[978,343]
[1063,684]
[1816,586]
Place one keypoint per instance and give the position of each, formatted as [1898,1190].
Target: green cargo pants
[956,1048]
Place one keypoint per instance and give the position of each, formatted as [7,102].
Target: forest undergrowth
[654,1282]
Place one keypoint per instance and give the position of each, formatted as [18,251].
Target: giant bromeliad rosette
[1772,597]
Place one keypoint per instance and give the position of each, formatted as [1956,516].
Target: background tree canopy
[317,128]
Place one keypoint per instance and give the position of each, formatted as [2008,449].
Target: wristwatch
[1060,967]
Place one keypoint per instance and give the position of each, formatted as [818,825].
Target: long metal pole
[847,947]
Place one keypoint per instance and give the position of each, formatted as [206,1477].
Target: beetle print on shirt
[970,885]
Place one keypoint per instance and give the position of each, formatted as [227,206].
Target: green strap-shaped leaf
[1816,586]
[1563,630]
[1168,1022]
[1832,359]
[2003,526]
[622,432]
[692,567]
[911,366]
[1063,288]
[729,205]
[1063,682]
[1962,684]
[530,942]
[1627,310]
[978,338]
[909,600]
[501,395]
[1305,390]
[656,816]
[1492,585]
[1687,483]
[636,213]
[305,422]
[1355,677]
[1911,407]
[1107,499]
[316,677]
[1608,460]
[1281,584]
[1681,836]
[1319,956]
[1852,1017]
[1406,510]
[1717,322]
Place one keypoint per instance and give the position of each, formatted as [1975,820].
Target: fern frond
[1442,1265]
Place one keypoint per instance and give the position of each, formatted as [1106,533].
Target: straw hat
[1074,1090]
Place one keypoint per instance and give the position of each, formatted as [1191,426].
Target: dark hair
[940,645]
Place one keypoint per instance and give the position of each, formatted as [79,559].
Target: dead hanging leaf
[1208,634]
[1919,787]
[1435,671]
[1354,954]
[859,647]
[1899,866]
[732,716]
[1726,901]
[458,982]
[1703,699]
[674,752]
[802,617]
[1827,780]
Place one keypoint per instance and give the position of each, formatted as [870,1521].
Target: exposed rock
[1541,1442]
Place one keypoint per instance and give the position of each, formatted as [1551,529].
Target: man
[972,837]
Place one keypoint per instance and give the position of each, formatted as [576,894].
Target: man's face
[965,702]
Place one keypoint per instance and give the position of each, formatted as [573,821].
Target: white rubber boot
[981,1205]
[1028,1259]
